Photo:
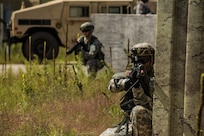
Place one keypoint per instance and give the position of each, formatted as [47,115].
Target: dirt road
[15,68]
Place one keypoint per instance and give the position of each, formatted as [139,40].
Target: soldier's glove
[127,84]
[133,75]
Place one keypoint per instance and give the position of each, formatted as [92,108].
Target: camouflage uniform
[91,51]
[141,113]
[92,55]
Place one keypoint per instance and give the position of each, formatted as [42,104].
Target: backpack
[100,56]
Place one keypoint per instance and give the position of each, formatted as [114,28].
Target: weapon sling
[126,119]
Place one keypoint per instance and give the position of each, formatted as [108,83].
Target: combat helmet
[143,50]
[87,26]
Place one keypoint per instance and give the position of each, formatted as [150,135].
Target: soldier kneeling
[138,82]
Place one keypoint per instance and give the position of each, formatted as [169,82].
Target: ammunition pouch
[127,103]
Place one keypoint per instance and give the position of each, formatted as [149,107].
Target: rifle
[136,76]
[75,48]
[127,103]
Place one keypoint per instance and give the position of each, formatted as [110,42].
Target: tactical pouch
[100,56]
[127,102]
[127,105]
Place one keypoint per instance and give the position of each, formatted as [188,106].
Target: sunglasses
[144,60]
[85,31]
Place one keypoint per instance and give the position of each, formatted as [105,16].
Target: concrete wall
[114,30]
[179,64]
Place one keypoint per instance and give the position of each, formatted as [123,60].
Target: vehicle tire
[38,40]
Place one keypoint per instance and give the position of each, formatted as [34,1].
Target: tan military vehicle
[42,29]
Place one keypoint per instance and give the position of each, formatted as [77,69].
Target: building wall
[179,64]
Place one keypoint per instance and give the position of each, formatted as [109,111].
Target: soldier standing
[138,83]
[142,8]
[90,46]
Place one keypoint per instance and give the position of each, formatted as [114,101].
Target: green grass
[46,100]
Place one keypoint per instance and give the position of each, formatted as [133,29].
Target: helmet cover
[142,49]
[87,26]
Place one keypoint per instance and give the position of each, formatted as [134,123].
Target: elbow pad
[118,85]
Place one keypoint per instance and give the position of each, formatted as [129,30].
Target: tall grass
[45,100]
[15,57]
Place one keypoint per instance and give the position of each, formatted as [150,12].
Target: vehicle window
[123,9]
[114,9]
[34,22]
[79,11]
[126,10]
